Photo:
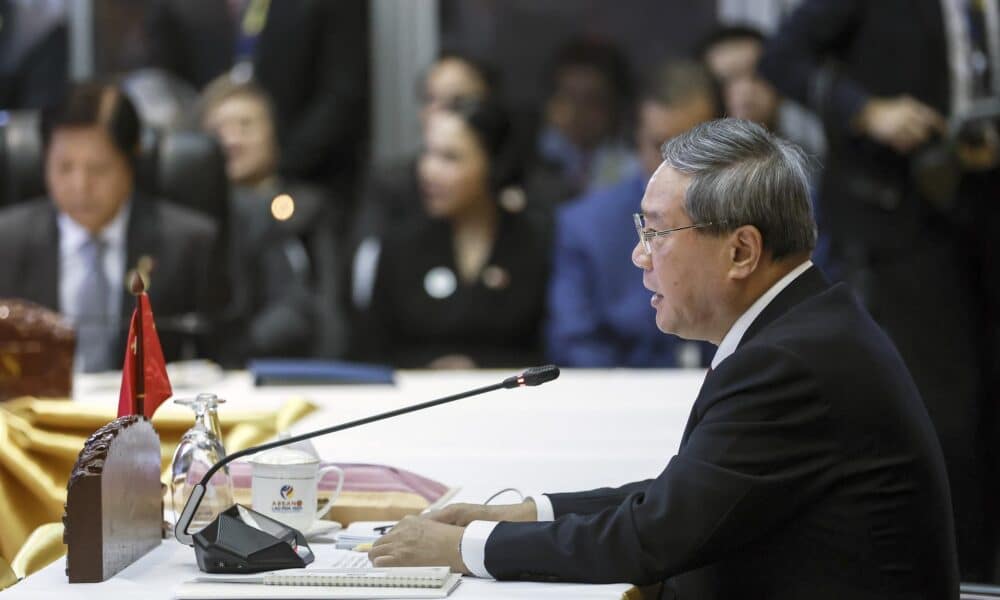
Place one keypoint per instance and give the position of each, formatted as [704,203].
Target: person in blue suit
[598,312]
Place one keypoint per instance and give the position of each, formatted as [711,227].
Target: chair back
[21,174]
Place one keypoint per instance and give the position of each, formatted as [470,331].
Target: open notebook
[348,583]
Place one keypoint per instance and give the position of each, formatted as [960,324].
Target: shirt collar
[72,235]
[739,328]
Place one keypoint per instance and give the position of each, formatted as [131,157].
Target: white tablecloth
[587,429]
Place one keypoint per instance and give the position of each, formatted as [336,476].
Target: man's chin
[89,221]
[664,325]
[672,327]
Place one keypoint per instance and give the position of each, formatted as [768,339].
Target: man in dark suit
[808,467]
[71,252]
[883,77]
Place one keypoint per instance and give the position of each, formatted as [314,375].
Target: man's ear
[746,247]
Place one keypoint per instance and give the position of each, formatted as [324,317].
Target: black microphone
[533,376]
[241,540]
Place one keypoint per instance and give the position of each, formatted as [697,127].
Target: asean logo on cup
[287,492]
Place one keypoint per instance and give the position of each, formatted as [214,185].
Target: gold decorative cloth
[40,440]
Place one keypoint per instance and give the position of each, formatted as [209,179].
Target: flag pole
[138,288]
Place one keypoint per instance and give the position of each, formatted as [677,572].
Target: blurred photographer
[910,195]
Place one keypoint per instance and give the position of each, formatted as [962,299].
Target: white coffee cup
[284,487]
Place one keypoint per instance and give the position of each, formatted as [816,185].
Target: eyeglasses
[646,235]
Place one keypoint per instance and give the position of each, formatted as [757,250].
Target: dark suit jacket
[183,280]
[808,469]
[834,56]
[311,58]
[494,320]
[906,256]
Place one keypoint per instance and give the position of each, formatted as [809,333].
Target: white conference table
[589,428]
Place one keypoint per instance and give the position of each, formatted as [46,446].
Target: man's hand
[902,123]
[419,542]
[463,514]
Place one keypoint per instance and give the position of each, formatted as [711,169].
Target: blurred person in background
[34,53]
[598,312]
[388,199]
[71,252]
[731,54]
[464,288]
[309,55]
[884,77]
[272,308]
[586,115]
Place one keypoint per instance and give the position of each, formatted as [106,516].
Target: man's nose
[78,180]
[640,258]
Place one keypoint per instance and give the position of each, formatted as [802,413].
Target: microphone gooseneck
[531,377]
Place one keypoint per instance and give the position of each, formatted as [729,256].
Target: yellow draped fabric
[7,576]
[39,443]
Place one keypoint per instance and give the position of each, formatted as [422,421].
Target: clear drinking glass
[199,449]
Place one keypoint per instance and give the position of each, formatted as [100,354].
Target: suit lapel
[41,275]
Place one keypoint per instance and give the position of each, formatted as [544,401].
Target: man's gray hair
[743,175]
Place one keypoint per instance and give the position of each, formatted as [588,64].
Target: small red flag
[156,384]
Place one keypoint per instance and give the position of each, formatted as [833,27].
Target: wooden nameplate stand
[114,503]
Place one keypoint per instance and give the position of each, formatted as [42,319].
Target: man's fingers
[384,561]
[929,117]
[382,552]
[915,133]
[903,144]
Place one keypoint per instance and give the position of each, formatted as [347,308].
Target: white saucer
[322,527]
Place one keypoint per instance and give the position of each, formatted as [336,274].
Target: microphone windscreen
[540,375]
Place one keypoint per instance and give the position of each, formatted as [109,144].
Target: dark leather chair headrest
[21,140]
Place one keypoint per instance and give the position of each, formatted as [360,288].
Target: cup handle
[321,512]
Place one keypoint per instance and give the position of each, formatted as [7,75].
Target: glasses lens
[640,229]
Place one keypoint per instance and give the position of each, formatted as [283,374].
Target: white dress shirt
[73,268]
[473,545]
